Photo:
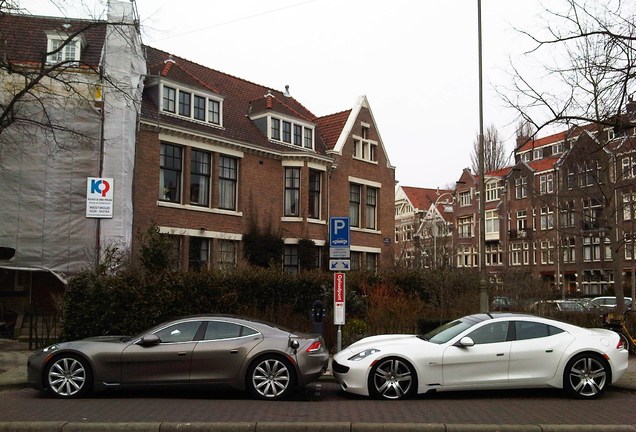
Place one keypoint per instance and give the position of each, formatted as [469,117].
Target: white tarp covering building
[79,123]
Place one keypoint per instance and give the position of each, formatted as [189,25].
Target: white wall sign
[99,197]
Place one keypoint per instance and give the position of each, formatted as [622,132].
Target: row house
[423,227]
[200,154]
[217,155]
[564,212]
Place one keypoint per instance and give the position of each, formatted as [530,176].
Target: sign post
[339,305]
[339,261]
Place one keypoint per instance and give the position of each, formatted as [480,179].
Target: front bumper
[351,377]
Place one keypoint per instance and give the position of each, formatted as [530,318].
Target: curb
[301,426]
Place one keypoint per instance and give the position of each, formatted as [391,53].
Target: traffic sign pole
[340,259]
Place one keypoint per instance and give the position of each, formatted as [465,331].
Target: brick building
[201,154]
[564,212]
[423,227]
[217,153]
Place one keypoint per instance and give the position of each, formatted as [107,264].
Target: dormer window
[290,132]
[192,105]
[492,191]
[62,49]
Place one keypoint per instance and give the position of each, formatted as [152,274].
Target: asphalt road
[323,402]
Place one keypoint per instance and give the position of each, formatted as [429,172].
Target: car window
[446,332]
[180,332]
[532,330]
[490,333]
[226,330]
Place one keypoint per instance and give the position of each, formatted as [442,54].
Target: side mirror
[294,344]
[149,340]
[465,342]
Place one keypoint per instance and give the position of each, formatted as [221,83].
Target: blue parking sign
[339,232]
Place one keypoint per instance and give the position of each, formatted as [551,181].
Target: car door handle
[181,353]
[234,351]
[549,350]
[500,355]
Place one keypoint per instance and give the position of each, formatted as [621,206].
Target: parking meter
[318,313]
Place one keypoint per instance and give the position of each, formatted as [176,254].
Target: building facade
[218,155]
[563,213]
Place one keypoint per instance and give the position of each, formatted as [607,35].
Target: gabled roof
[331,126]
[239,97]
[502,172]
[546,164]
[25,37]
[544,141]
[423,198]
[361,103]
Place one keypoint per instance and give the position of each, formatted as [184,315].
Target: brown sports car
[262,358]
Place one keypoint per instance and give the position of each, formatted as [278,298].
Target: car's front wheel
[69,376]
[586,376]
[392,378]
[270,378]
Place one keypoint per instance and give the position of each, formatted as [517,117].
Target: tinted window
[448,331]
[225,330]
[181,332]
[490,333]
[532,330]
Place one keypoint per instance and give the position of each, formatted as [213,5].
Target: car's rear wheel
[586,376]
[392,378]
[270,378]
[69,376]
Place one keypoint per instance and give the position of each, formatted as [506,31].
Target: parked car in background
[501,304]
[262,358]
[589,305]
[609,302]
[484,351]
[547,306]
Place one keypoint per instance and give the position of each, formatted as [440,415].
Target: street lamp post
[483,293]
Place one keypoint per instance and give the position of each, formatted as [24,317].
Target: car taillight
[314,346]
[621,344]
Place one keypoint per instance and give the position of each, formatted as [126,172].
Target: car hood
[382,341]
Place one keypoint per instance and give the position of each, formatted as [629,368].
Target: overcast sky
[415,60]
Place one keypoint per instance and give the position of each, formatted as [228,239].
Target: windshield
[447,331]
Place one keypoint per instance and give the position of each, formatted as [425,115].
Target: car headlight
[364,354]
[51,348]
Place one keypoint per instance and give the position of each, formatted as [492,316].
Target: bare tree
[495,156]
[38,96]
[588,58]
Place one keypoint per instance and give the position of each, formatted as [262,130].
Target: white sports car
[484,351]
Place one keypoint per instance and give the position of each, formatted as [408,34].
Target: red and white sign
[339,298]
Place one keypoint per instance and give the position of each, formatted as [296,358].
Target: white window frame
[209,102]
[492,222]
[76,44]
[546,183]
[365,149]
[521,187]
[492,191]
[465,198]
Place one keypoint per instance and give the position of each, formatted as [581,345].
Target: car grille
[338,368]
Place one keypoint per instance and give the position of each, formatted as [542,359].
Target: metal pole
[483,293]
